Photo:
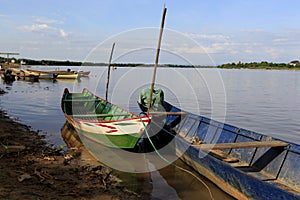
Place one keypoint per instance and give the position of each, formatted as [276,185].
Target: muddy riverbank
[32,169]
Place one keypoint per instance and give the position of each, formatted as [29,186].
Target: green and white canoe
[101,121]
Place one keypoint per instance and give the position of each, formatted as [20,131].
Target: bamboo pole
[157,58]
[108,71]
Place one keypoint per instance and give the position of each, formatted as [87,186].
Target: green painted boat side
[102,121]
[118,141]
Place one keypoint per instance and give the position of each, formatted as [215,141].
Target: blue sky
[198,32]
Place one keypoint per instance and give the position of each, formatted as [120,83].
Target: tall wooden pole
[108,71]
[157,58]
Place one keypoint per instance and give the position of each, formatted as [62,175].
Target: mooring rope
[167,161]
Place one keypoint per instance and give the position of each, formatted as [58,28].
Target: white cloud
[44,30]
[63,33]
[246,45]
[34,27]
[44,20]
[281,40]
[274,53]
[253,31]
[214,37]
[45,27]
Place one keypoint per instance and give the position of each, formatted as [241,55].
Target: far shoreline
[166,66]
[264,65]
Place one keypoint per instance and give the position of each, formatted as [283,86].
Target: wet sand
[32,169]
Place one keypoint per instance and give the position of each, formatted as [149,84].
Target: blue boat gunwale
[238,132]
[217,162]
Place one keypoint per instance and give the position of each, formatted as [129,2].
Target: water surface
[264,101]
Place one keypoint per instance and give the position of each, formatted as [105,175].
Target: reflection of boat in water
[70,136]
[28,77]
[25,75]
[136,182]
[8,76]
[65,81]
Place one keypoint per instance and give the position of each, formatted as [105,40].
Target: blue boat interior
[275,164]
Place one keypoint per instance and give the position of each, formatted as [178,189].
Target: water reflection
[137,182]
[167,183]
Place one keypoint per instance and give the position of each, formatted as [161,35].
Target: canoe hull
[116,127]
[234,182]
[48,76]
[41,74]
[53,74]
[116,141]
[117,134]
[255,173]
[67,76]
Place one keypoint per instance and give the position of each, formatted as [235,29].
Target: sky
[198,32]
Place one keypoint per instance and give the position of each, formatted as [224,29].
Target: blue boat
[243,163]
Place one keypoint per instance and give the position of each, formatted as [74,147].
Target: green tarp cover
[157,98]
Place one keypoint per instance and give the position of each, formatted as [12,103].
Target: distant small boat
[60,74]
[26,75]
[101,121]
[66,74]
[83,73]
[42,74]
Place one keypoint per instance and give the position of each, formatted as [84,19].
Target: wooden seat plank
[167,113]
[238,145]
[223,156]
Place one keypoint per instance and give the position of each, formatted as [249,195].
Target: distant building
[294,63]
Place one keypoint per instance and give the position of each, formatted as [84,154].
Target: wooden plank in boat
[167,113]
[223,156]
[238,145]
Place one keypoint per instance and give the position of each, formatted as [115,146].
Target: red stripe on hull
[106,126]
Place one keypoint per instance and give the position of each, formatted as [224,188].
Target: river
[265,101]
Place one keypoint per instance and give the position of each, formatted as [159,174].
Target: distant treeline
[64,63]
[240,65]
[72,63]
[261,65]
[41,62]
